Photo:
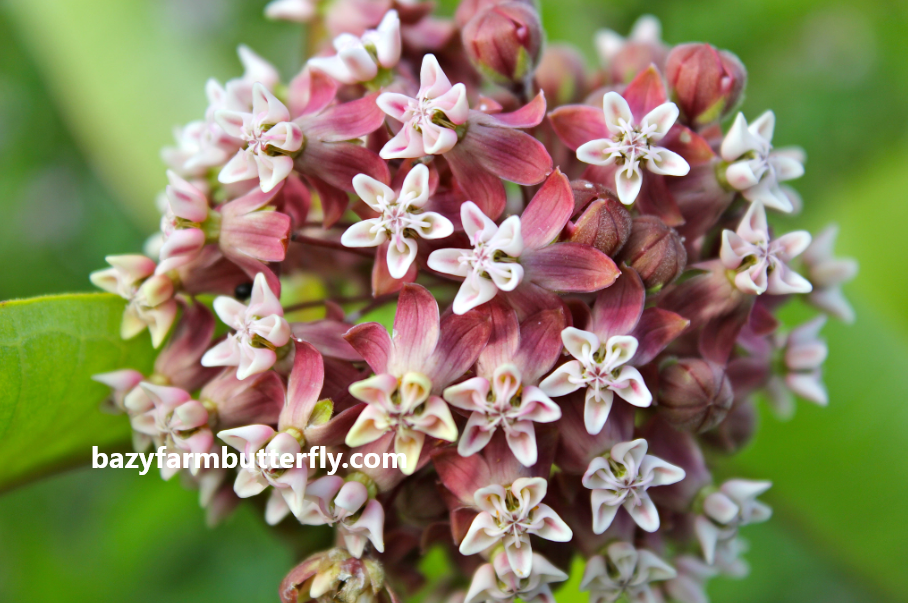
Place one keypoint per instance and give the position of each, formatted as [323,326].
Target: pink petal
[433,80]
[603,513]
[506,152]
[416,328]
[644,514]
[669,164]
[303,387]
[393,104]
[570,267]
[616,110]
[548,212]
[645,92]
[578,124]
[618,308]
[596,410]
[628,185]
[372,342]
[663,117]
[559,383]
[476,435]
[462,338]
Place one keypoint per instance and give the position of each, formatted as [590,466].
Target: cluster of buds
[564,348]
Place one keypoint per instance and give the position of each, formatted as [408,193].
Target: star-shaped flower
[491,265]
[401,219]
[255,476]
[756,169]
[181,224]
[331,501]
[509,515]
[269,139]
[760,261]
[624,571]
[260,328]
[496,581]
[429,120]
[733,505]
[359,58]
[632,145]
[621,478]
[827,274]
[801,353]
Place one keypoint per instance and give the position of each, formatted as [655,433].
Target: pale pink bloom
[621,478]
[602,368]
[269,139]
[502,401]
[733,505]
[632,143]
[496,581]
[150,296]
[802,353]
[646,30]
[756,169]
[624,571]
[411,369]
[405,406]
[289,484]
[827,274]
[120,383]
[260,328]
[176,421]
[491,265]
[181,225]
[359,58]
[401,219]
[200,146]
[689,586]
[331,501]
[762,262]
[508,516]
[298,11]
[429,120]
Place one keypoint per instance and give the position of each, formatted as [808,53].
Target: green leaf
[49,349]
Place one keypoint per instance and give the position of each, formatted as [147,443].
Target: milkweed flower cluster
[586,283]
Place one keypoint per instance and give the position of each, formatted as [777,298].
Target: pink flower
[120,382]
[632,143]
[260,328]
[502,255]
[176,421]
[756,169]
[761,262]
[149,295]
[624,571]
[733,505]
[411,370]
[509,515]
[265,470]
[187,210]
[620,336]
[621,478]
[503,395]
[401,219]
[802,354]
[430,120]
[360,58]
[496,581]
[269,139]
[331,501]
[827,274]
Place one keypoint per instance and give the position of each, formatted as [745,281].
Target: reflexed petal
[663,117]
[364,234]
[635,391]
[478,538]
[669,164]
[372,192]
[399,262]
[563,380]
[616,109]
[473,292]
[628,185]
[521,438]
[553,527]
[434,226]
[580,344]
[644,514]
[538,407]
[596,409]
[596,152]
[469,395]
[476,435]
[447,261]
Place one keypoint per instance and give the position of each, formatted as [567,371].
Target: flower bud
[736,431]
[334,575]
[655,251]
[694,394]
[503,41]
[561,75]
[605,224]
[707,83]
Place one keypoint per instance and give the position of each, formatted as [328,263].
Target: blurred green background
[89,92]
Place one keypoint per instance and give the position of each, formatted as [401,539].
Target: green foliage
[49,349]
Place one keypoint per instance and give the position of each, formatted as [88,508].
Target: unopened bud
[736,431]
[605,223]
[503,41]
[706,83]
[694,394]
[561,75]
[655,251]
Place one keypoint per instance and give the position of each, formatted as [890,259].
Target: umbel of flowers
[587,267]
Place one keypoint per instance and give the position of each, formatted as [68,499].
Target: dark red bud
[561,75]
[736,431]
[706,83]
[655,251]
[503,41]
[467,9]
[605,223]
[694,395]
